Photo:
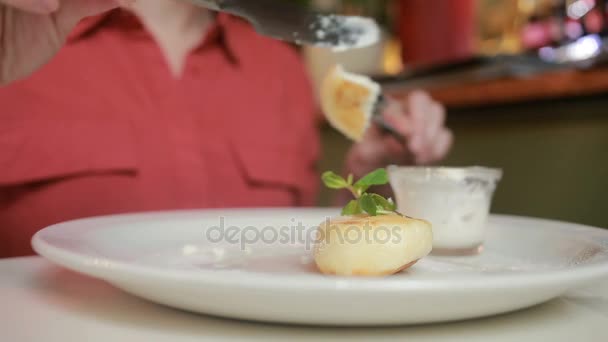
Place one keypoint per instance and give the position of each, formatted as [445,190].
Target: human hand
[32,31]
[420,119]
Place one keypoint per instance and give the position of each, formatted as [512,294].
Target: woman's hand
[421,120]
[32,31]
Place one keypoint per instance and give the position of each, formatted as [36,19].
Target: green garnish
[372,204]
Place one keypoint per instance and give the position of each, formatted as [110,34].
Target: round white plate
[258,266]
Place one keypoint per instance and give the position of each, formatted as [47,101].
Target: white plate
[176,260]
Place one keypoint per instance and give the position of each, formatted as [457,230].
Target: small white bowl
[455,200]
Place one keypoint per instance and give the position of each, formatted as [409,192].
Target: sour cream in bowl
[456,201]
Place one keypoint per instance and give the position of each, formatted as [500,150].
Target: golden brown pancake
[371,245]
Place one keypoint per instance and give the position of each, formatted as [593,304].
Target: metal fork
[383,125]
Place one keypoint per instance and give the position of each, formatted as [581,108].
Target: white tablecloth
[43,302]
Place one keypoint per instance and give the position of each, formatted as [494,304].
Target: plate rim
[111,270]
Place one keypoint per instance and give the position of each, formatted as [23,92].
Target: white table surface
[43,302]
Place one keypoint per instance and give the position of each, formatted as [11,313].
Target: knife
[288,21]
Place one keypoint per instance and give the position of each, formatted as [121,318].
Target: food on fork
[349,101]
[370,238]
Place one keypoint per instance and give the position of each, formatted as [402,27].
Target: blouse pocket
[275,174]
[35,151]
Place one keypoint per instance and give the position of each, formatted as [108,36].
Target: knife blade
[288,21]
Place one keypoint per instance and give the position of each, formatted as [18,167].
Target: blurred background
[525,83]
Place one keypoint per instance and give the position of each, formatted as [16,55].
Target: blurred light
[392,63]
[594,21]
[579,8]
[573,29]
[547,53]
[536,35]
[583,49]
[526,6]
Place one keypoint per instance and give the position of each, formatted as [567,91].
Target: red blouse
[105,128]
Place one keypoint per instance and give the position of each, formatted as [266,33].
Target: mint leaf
[368,204]
[393,204]
[333,181]
[383,203]
[378,177]
[352,208]
[372,204]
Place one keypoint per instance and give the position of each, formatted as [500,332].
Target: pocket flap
[270,165]
[32,151]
